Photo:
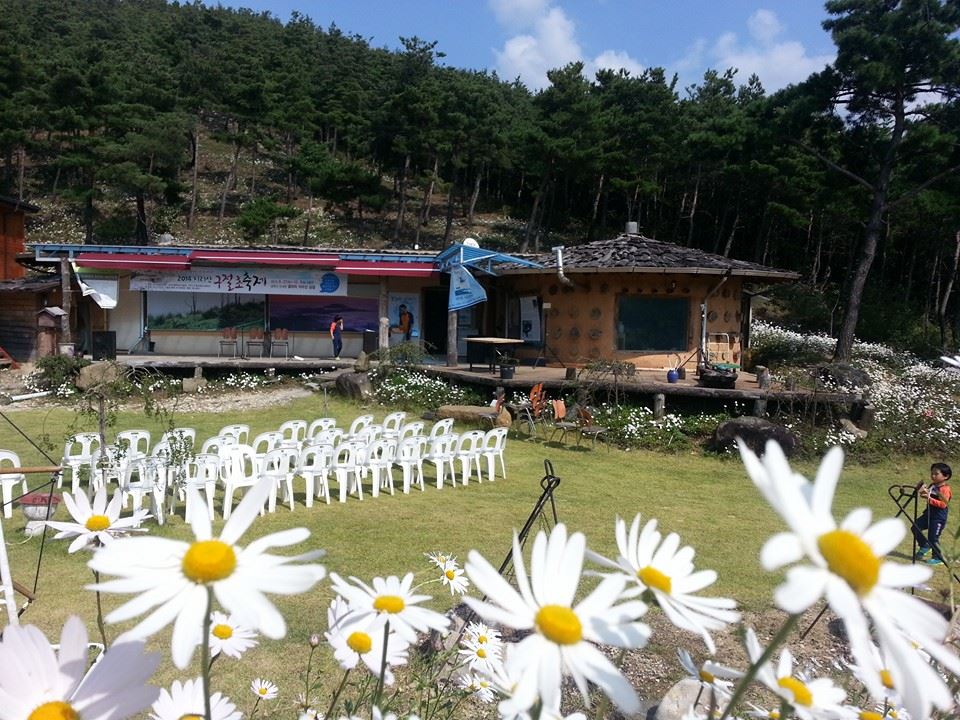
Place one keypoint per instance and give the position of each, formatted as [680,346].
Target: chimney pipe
[632,228]
[563,278]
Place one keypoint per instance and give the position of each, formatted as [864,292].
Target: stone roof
[15,204]
[635,253]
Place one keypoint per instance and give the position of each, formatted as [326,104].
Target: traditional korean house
[631,299]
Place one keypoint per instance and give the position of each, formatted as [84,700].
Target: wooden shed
[23,301]
[13,213]
[632,299]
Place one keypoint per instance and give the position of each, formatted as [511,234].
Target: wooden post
[383,342]
[659,406]
[763,376]
[759,407]
[452,338]
[66,334]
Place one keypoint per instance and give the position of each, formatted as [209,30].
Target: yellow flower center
[774,715]
[96,523]
[869,715]
[360,642]
[56,710]
[450,574]
[653,578]
[191,717]
[706,676]
[887,679]
[207,561]
[389,603]
[893,714]
[481,639]
[559,624]
[851,558]
[262,691]
[481,653]
[801,693]
[222,631]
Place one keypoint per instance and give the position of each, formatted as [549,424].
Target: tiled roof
[635,253]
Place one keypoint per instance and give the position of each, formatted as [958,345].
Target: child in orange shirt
[934,518]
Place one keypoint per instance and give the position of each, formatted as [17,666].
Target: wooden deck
[650,383]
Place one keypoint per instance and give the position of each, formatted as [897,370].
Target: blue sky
[780,40]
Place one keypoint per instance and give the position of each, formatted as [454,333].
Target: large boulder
[98,373]
[755,432]
[845,377]
[355,386]
[362,363]
[473,414]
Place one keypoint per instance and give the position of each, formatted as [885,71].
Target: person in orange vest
[336,334]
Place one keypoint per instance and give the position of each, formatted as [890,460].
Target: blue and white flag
[464,289]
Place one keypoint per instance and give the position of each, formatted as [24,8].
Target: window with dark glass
[652,324]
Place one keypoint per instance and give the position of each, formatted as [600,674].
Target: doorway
[435,320]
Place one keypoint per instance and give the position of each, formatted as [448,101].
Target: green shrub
[56,371]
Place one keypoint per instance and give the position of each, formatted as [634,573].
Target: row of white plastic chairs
[318,452]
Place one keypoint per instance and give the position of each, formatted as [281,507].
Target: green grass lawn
[709,501]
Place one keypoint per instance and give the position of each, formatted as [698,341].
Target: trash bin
[370,338]
[104,345]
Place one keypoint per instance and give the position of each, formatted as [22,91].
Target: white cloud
[777,62]
[764,26]
[518,15]
[550,43]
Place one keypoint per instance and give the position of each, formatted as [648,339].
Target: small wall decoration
[726,316]
[596,333]
[595,313]
[685,291]
[712,316]
[594,352]
[574,332]
[557,333]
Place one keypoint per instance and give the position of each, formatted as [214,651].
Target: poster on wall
[530,325]
[314,314]
[203,311]
[243,281]
[403,309]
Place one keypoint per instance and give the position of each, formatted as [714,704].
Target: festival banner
[243,281]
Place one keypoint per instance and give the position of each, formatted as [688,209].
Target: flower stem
[752,671]
[383,664]
[256,704]
[100,625]
[306,680]
[336,695]
[205,656]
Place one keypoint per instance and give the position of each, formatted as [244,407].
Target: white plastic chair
[240,432]
[319,425]
[410,453]
[347,468]
[314,467]
[442,452]
[441,427]
[359,423]
[184,439]
[392,424]
[469,449]
[411,429]
[137,441]
[202,472]
[218,444]
[264,443]
[380,456]
[77,453]
[333,436]
[494,443]
[294,430]
[367,435]
[239,468]
[280,465]
[9,482]
[150,482]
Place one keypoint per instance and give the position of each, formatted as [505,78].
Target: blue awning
[477,258]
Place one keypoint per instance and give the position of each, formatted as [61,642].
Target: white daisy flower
[482,658]
[173,576]
[479,633]
[563,637]
[100,522]
[185,700]
[389,599]
[39,683]
[454,578]
[846,566]
[665,571]
[229,637]
[710,675]
[353,642]
[811,700]
[760,714]
[441,559]
[264,689]
[479,686]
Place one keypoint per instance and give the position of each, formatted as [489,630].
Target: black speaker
[104,345]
